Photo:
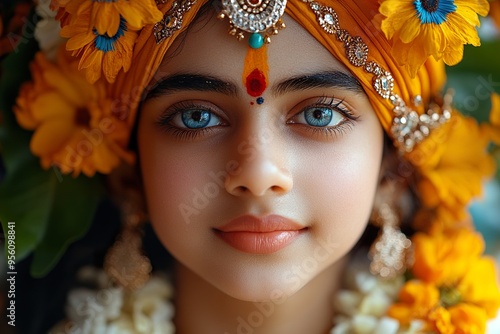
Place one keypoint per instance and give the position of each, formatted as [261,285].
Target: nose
[260,171]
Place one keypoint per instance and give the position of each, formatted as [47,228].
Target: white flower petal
[364,324]
[375,303]
[365,282]
[387,325]
[341,328]
[347,302]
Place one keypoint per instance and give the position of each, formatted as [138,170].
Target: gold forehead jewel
[260,18]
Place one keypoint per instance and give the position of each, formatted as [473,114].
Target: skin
[268,160]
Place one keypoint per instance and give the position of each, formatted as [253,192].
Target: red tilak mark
[256,83]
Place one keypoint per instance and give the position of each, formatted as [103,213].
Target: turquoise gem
[256,41]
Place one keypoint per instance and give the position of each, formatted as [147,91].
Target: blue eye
[195,119]
[320,117]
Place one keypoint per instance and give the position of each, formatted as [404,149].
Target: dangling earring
[124,263]
[391,252]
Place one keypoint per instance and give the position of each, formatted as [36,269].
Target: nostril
[242,190]
[276,189]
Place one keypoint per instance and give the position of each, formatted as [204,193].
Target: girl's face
[257,197]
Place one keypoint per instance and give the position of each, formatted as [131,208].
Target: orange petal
[51,136]
[80,40]
[52,105]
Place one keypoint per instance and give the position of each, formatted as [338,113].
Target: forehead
[208,48]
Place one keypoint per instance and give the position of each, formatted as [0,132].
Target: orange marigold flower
[443,257]
[479,286]
[416,301]
[455,167]
[438,28]
[73,122]
[468,319]
[103,33]
[440,321]
[455,290]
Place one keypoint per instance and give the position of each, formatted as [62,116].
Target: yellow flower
[73,121]
[416,301]
[479,286]
[454,289]
[445,256]
[100,53]
[103,33]
[438,28]
[106,14]
[455,167]
[469,319]
[440,321]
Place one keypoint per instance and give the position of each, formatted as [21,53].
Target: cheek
[170,182]
[340,186]
[177,188]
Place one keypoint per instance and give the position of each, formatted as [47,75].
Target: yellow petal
[52,105]
[51,136]
[104,159]
[139,13]
[479,286]
[495,110]
[66,86]
[468,319]
[481,7]
[410,30]
[105,18]
[80,40]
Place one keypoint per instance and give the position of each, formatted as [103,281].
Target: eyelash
[165,119]
[330,131]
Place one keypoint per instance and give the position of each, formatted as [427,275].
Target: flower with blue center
[434,11]
[103,33]
[419,29]
[107,43]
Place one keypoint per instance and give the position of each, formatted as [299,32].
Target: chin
[263,288]
[261,280]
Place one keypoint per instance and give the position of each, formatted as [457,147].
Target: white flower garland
[113,310]
[361,307]
[363,304]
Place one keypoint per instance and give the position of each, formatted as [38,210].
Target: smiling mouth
[254,235]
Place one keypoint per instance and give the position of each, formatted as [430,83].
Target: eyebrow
[206,83]
[329,79]
[191,82]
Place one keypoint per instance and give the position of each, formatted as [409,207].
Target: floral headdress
[80,103]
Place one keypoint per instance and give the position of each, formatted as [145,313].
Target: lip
[257,235]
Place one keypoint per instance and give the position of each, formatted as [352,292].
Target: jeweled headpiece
[256,17]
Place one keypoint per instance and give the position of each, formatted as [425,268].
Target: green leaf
[74,202]
[24,200]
